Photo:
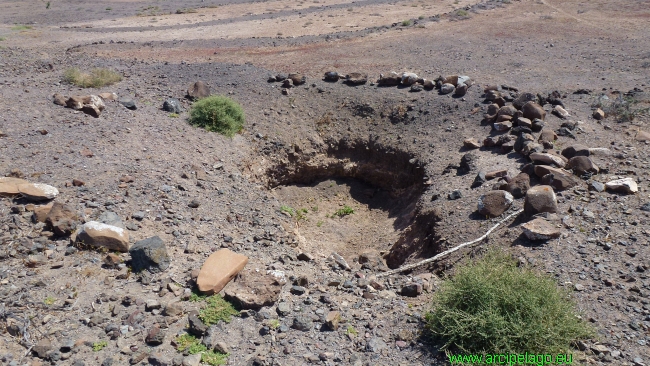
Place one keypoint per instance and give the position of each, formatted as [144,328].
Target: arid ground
[391,154]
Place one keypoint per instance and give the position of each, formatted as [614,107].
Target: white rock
[38,191]
[101,235]
[540,229]
[625,185]
[409,78]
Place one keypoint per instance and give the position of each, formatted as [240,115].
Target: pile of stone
[288,81]
[520,118]
[92,105]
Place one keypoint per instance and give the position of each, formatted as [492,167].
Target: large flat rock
[219,269]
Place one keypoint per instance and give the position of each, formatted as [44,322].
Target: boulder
[96,234]
[560,112]
[519,185]
[331,76]
[128,103]
[524,122]
[253,290]
[198,90]
[471,143]
[507,110]
[451,79]
[428,84]
[598,114]
[297,78]
[502,126]
[494,203]
[40,212]
[575,150]
[547,138]
[461,90]
[151,254]
[219,269]
[37,191]
[540,199]
[392,79]
[409,78]
[59,99]
[108,96]
[533,110]
[62,219]
[625,185]
[446,88]
[546,158]
[524,98]
[583,165]
[172,105]
[356,78]
[540,229]
[559,179]
[89,104]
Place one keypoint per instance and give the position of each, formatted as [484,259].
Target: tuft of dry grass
[97,78]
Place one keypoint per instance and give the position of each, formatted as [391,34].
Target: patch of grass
[109,9]
[623,109]
[173,115]
[98,346]
[406,23]
[3,39]
[218,113]
[196,297]
[462,13]
[49,300]
[217,309]
[185,11]
[346,210]
[21,28]
[214,358]
[351,331]
[97,78]
[492,306]
[319,224]
[288,210]
[274,323]
[190,343]
[421,17]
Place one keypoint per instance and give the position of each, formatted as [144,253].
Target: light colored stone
[561,112]
[600,151]
[582,165]
[192,360]
[642,136]
[40,212]
[598,114]
[540,229]
[559,179]
[253,290]
[447,88]
[533,110]
[9,185]
[37,191]
[108,96]
[625,185]
[219,269]
[409,78]
[503,126]
[471,143]
[106,236]
[546,158]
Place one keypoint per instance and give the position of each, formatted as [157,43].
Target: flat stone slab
[540,229]
[219,269]
[38,191]
[101,235]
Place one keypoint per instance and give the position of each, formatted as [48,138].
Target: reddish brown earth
[389,154]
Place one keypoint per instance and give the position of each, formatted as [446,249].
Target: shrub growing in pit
[218,113]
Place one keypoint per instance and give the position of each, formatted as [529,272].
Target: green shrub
[98,346]
[492,306]
[214,358]
[218,113]
[346,210]
[97,78]
[21,28]
[217,309]
[406,23]
[190,343]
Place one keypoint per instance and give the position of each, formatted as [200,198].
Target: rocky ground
[422,169]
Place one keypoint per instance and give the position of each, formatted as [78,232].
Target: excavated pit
[382,184]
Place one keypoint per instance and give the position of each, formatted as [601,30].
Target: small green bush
[98,346]
[218,113]
[346,210]
[97,78]
[217,309]
[190,343]
[492,306]
[214,358]
[406,23]
[21,28]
